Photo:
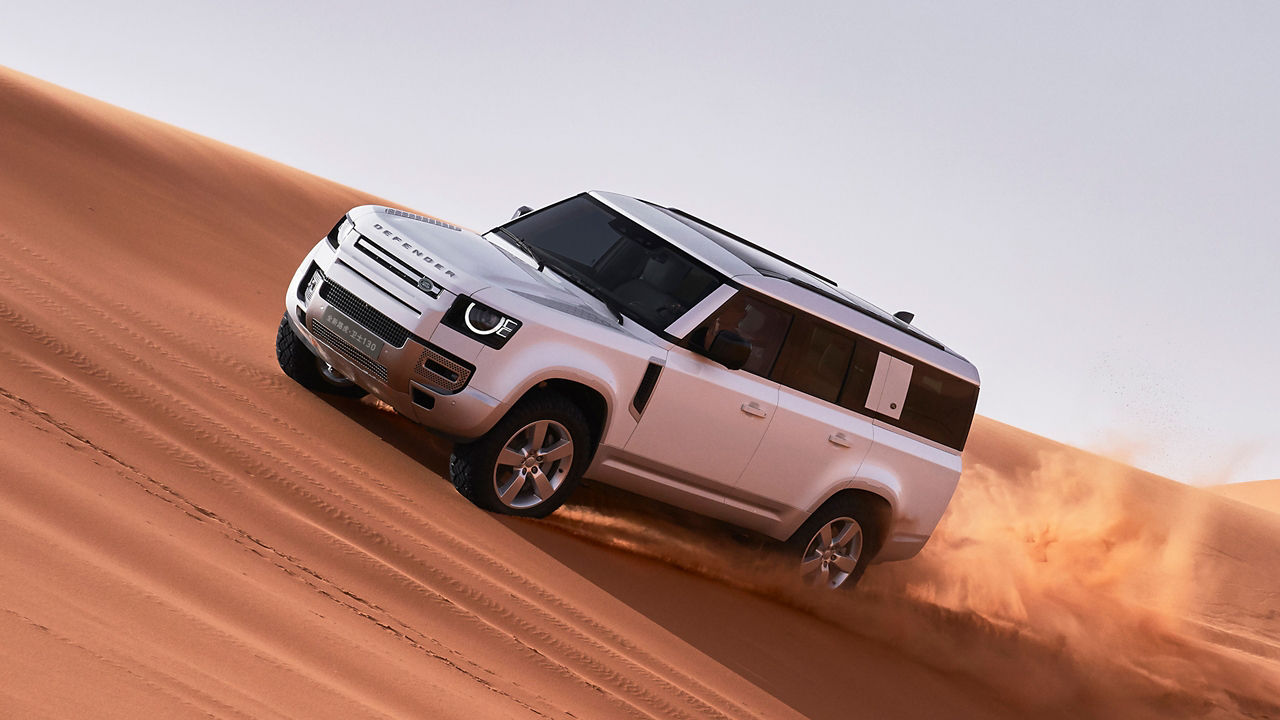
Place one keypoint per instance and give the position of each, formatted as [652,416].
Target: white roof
[800,288]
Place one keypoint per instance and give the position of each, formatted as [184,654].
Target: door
[813,444]
[703,421]
[810,447]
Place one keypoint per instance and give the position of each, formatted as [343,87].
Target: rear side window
[939,406]
[815,359]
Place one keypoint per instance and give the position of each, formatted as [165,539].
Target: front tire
[528,463]
[306,368]
[836,544]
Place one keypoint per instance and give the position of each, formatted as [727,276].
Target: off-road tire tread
[840,506]
[471,463]
[299,363]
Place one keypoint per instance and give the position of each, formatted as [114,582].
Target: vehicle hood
[465,263]
[457,259]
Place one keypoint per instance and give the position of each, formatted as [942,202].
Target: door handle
[839,439]
[751,408]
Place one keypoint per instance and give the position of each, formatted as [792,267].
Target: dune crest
[1263,494]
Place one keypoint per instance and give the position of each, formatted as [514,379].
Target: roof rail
[753,246]
[890,320]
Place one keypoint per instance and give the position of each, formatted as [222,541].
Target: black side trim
[645,390]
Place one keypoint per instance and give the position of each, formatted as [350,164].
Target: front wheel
[836,544]
[529,462]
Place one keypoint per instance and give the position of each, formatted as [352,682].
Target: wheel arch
[880,507]
[590,400]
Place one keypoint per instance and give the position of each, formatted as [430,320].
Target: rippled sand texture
[186,532]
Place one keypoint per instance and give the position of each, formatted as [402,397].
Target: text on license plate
[364,341]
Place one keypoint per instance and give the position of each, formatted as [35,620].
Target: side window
[760,323]
[815,359]
[939,407]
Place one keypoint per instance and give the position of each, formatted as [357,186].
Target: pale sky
[1081,198]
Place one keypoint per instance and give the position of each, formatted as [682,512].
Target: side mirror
[522,210]
[730,350]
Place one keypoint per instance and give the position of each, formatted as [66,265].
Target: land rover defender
[616,339]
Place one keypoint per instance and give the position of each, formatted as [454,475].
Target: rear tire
[528,463]
[298,362]
[836,544]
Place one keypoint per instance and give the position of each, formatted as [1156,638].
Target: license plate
[364,341]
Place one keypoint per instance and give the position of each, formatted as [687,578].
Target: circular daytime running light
[481,320]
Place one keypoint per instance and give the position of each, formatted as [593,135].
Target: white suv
[612,338]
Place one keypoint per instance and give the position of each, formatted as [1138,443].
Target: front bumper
[421,379]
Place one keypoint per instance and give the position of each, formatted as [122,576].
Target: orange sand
[186,532]
[1264,494]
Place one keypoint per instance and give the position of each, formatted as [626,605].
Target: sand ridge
[187,532]
[142,267]
[1263,494]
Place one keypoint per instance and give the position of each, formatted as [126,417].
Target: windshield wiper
[526,247]
[588,288]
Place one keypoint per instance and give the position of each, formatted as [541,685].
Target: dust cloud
[1068,578]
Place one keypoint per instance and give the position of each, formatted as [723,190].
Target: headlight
[481,322]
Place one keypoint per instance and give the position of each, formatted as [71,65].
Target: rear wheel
[529,463]
[836,544]
[307,369]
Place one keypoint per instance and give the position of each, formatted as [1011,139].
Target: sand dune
[1264,494]
[186,532]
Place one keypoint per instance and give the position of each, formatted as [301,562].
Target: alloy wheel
[532,464]
[833,552]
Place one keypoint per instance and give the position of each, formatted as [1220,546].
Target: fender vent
[647,384]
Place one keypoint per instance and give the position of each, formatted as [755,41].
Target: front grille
[349,351]
[442,372]
[364,313]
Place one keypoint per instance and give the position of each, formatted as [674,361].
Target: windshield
[633,270]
